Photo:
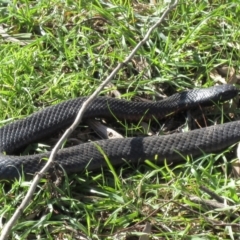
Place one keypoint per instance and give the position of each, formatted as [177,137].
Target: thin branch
[212,194]
[7,228]
[227,224]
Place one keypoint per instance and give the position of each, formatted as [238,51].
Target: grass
[63,49]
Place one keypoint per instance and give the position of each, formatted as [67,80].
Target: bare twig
[212,194]
[8,38]
[7,228]
[222,224]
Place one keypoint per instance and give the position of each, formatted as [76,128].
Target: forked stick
[7,227]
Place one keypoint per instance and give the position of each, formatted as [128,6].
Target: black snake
[20,133]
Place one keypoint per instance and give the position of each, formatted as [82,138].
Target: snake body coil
[18,134]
